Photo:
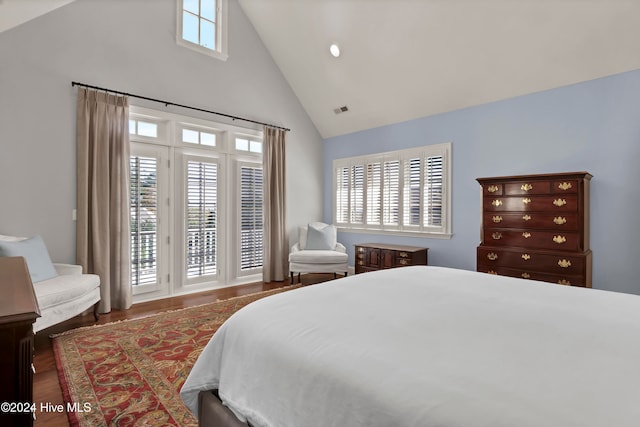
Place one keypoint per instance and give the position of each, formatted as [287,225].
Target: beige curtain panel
[276,243]
[102,227]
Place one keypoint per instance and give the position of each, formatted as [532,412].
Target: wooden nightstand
[378,256]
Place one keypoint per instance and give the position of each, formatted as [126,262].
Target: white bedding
[428,346]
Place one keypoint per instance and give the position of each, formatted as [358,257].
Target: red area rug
[130,372]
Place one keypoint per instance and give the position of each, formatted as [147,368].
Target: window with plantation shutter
[405,191]
[251,218]
[144,220]
[342,195]
[356,195]
[391,193]
[196,204]
[201,218]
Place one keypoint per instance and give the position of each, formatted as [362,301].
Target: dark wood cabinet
[378,256]
[18,310]
[536,227]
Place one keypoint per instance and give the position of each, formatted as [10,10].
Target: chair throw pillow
[321,238]
[36,255]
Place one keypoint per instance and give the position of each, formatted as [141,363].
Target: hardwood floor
[46,387]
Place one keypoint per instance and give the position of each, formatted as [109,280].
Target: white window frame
[220,52]
[172,241]
[347,166]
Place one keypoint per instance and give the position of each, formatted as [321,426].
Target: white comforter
[428,346]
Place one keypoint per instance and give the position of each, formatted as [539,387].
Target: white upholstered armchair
[317,251]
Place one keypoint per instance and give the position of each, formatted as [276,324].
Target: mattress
[428,346]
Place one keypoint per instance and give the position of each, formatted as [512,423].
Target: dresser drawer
[562,221]
[557,263]
[560,279]
[568,203]
[527,187]
[532,239]
[565,186]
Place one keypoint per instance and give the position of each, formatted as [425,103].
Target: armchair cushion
[318,257]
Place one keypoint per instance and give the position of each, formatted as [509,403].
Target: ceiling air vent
[342,109]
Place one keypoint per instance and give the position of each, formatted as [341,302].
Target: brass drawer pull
[403,254]
[497,235]
[526,275]
[491,272]
[497,219]
[564,282]
[526,200]
[526,234]
[360,249]
[526,217]
[559,220]
[526,257]
[403,262]
[492,256]
[360,262]
[497,203]
[559,239]
[564,263]
[492,188]
[565,186]
[559,202]
[526,187]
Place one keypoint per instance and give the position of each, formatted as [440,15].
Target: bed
[424,346]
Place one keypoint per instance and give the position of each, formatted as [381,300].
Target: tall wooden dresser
[18,310]
[536,227]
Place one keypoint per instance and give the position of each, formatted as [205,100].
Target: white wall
[128,46]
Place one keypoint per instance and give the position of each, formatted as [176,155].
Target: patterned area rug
[130,372]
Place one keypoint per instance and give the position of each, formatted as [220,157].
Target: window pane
[251,223]
[242,144]
[191,6]
[202,213]
[147,129]
[132,127]
[256,147]
[208,139]
[207,34]
[208,9]
[144,221]
[190,27]
[190,136]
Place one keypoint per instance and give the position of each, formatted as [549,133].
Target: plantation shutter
[357,194]
[342,194]
[251,218]
[412,191]
[391,193]
[374,191]
[202,215]
[144,220]
[433,188]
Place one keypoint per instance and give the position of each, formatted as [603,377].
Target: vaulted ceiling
[404,59]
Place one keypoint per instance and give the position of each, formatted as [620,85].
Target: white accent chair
[322,254]
[64,296]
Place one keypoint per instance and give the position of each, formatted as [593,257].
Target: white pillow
[11,238]
[34,252]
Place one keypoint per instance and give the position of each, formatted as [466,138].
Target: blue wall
[592,126]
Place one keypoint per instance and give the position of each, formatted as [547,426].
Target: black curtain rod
[167,103]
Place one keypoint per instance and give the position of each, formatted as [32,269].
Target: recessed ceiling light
[335,50]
